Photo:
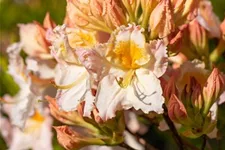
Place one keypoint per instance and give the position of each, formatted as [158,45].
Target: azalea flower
[133,68]
[72,79]
[32,87]
[24,100]
[36,133]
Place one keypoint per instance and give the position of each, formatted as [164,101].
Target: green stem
[218,51]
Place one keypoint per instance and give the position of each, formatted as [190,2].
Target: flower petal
[145,92]
[74,87]
[158,63]
[109,98]
[95,64]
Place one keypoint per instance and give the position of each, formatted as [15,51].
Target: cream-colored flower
[72,79]
[133,66]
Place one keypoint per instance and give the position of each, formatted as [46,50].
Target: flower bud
[75,138]
[170,89]
[219,50]
[69,118]
[222,28]
[198,38]
[113,14]
[33,39]
[184,10]
[196,98]
[213,88]
[48,23]
[96,14]
[208,19]
[86,131]
[161,20]
[177,111]
[174,41]
[147,6]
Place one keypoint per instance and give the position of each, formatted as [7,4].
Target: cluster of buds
[158,17]
[194,104]
[111,56]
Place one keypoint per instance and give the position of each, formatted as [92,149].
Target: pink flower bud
[70,118]
[213,88]
[161,20]
[170,89]
[75,138]
[95,15]
[222,28]
[184,10]
[176,110]
[198,38]
[196,97]
[208,19]
[113,14]
[33,39]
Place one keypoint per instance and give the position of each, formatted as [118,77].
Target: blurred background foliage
[13,12]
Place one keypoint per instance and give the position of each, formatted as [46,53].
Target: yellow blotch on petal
[130,54]
[82,39]
[126,80]
[34,123]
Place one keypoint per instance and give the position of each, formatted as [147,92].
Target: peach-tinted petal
[48,23]
[32,40]
[95,64]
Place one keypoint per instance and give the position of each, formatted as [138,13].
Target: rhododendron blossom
[130,63]
[113,73]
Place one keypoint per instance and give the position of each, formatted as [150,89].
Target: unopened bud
[161,20]
[177,111]
[170,89]
[212,89]
[72,138]
[198,38]
[184,10]
[196,98]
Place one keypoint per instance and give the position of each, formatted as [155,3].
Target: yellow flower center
[130,55]
[34,123]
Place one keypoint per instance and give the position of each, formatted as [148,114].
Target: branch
[173,129]
[204,137]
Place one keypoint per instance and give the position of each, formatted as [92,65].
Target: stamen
[70,85]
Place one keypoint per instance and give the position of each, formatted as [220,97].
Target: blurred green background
[13,12]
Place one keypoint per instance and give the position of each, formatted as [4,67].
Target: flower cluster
[113,59]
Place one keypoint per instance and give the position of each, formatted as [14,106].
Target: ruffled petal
[109,98]
[74,86]
[95,64]
[145,93]
[158,62]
